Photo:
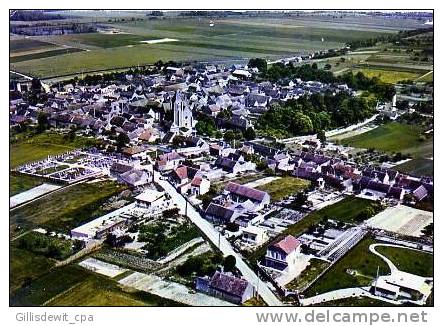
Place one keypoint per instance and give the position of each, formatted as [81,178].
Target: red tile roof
[288,244]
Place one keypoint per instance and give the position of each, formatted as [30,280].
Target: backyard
[284,187]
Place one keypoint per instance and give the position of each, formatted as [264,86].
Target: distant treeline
[33,15]
[401,38]
[53,29]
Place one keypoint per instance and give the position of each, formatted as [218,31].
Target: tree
[301,124]
[258,63]
[328,66]
[42,122]
[321,135]
[229,263]
[249,133]
[122,140]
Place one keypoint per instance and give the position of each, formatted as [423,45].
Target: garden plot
[30,194]
[402,219]
[101,267]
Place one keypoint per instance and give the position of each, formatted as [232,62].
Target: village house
[226,287]
[283,254]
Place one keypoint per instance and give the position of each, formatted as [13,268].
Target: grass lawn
[315,267]
[389,76]
[393,137]
[48,285]
[26,148]
[67,208]
[25,266]
[356,302]
[411,261]
[283,187]
[359,259]
[22,182]
[345,210]
[417,167]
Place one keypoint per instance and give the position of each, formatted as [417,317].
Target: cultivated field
[227,40]
[394,137]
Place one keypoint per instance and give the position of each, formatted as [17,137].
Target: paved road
[215,237]
[334,295]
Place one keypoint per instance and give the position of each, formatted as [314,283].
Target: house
[117,169]
[283,253]
[240,193]
[149,198]
[135,178]
[188,179]
[217,213]
[226,287]
[254,235]
[420,193]
[400,285]
[168,161]
[231,165]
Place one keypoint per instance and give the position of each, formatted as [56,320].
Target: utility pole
[376,279]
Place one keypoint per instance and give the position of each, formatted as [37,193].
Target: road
[215,237]
[334,295]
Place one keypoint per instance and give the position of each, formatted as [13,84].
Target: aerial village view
[221,158]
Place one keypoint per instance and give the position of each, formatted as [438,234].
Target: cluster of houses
[154,108]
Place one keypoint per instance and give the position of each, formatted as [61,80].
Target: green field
[359,259]
[22,182]
[389,76]
[65,209]
[283,187]
[229,39]
[25,266]
[29,148]
[346,210]
[45,54]
[394,137]
[410,261]
[28,45]
[74,286]
[417,167]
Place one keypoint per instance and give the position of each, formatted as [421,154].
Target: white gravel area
[261,182]
[102,267]
[402,219]
[30,194]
